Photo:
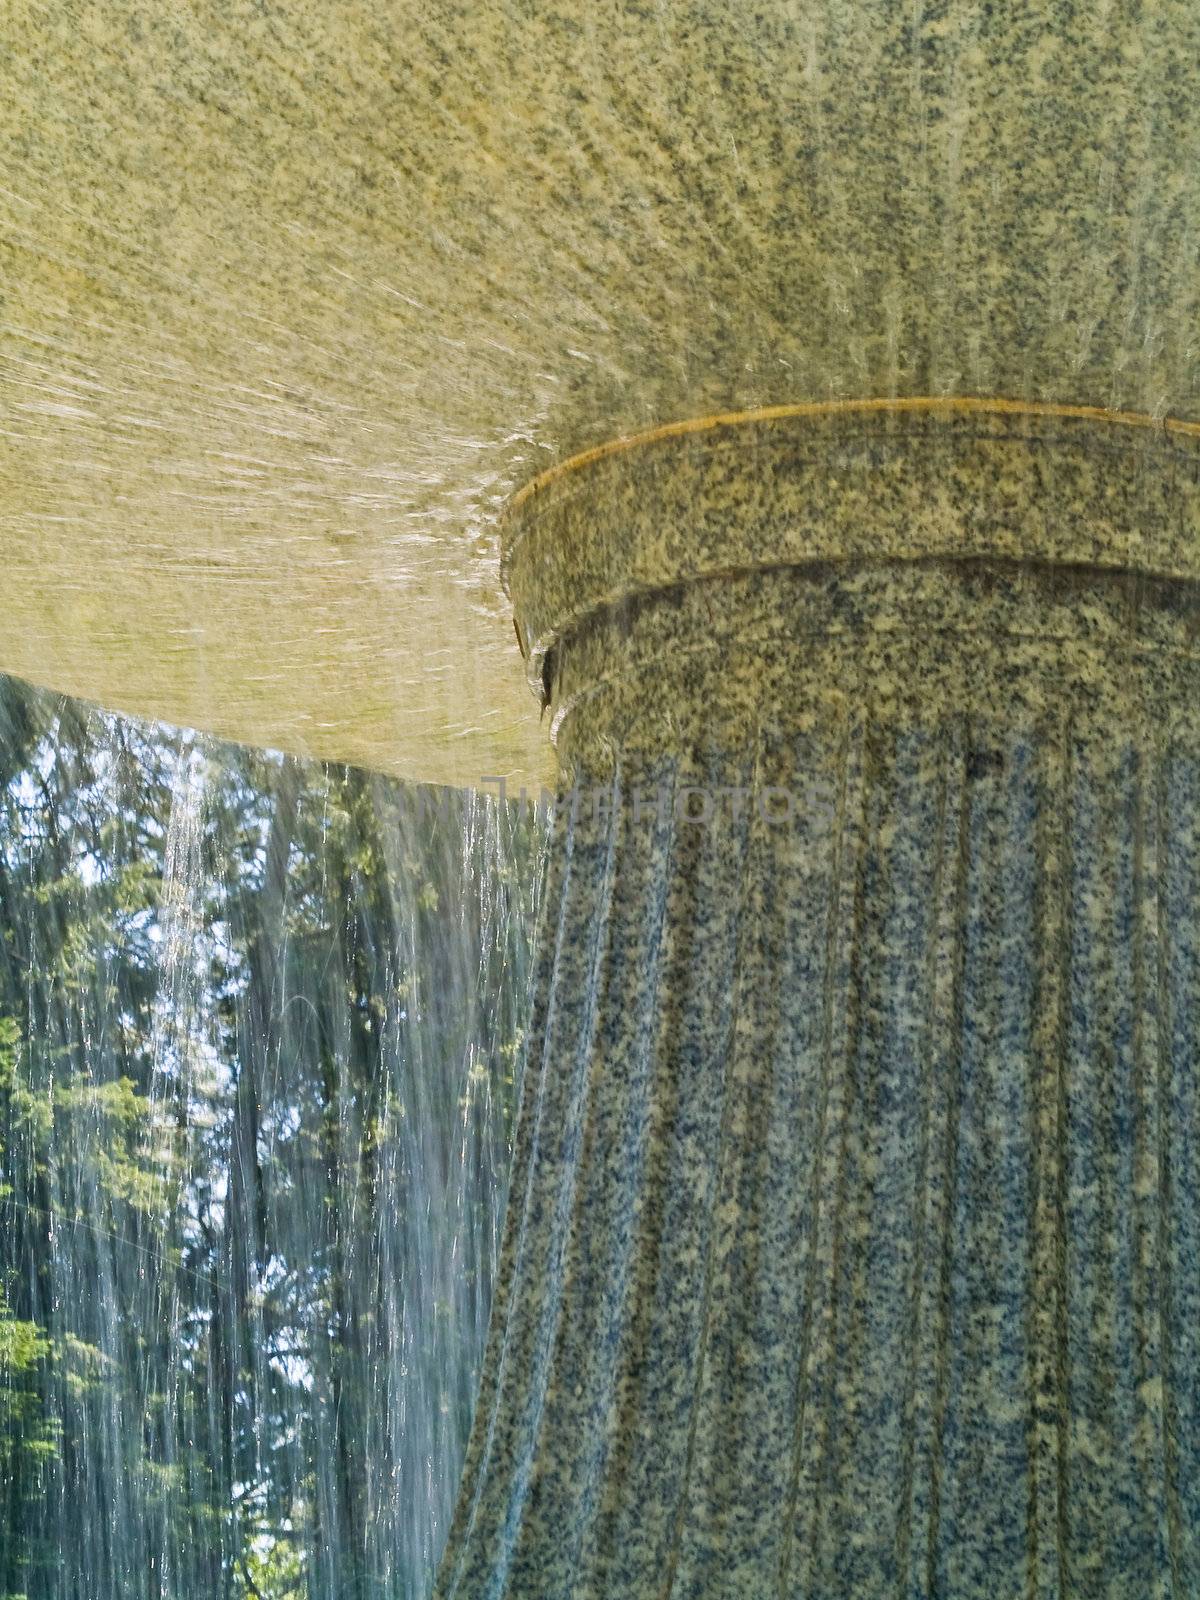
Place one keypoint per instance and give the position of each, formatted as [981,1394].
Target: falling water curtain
[259,1032]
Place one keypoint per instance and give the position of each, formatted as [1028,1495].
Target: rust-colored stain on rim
[934,404]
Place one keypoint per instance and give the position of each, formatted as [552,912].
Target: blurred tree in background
[259,1032]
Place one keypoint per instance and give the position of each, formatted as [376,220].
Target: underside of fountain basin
[297,297]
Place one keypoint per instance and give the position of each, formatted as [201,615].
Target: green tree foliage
[259,1035]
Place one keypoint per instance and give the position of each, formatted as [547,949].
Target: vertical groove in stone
[1179,1223]
[857,1178]
[819,911]
[699,1502]
[918,1505]
[594,1544]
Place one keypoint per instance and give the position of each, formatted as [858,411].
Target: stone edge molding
[886,479]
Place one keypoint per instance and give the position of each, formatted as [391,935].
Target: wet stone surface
[854,1246]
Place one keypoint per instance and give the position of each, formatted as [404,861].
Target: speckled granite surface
[849,486]
[294,294]
[854,1234]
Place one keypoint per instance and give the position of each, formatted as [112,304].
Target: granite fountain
[778,428]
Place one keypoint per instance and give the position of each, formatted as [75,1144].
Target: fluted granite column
[853,1245]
